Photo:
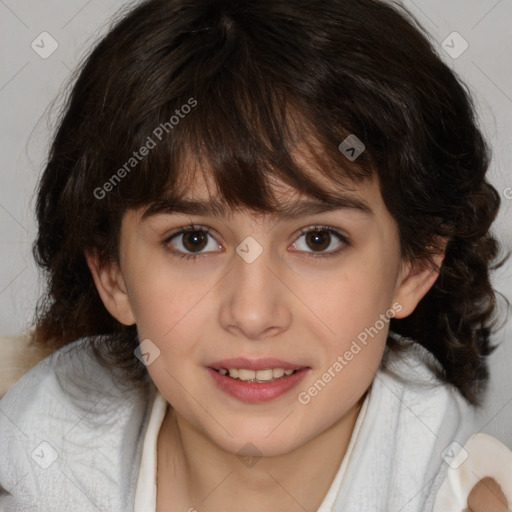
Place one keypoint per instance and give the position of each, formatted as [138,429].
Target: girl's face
[313,292]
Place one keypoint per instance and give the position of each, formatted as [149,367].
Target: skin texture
[286,304]
[487,496]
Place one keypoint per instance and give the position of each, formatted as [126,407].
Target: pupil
[320,239]
[194,239]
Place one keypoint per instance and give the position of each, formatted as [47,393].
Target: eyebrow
[217,209]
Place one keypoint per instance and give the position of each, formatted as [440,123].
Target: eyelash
[205,229]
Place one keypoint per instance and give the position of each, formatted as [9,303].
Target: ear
[415,280]
[111,288]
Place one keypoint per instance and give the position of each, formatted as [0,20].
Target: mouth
[261,376]
[252,380]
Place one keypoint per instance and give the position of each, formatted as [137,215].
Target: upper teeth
[263,375]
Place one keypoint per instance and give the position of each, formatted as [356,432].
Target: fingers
[487,496]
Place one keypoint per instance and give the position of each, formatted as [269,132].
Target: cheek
[163,298]
[172,309]
[354,298]
[357,309]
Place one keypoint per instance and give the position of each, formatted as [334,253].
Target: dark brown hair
[260,77]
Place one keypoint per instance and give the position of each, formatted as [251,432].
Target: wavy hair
[266,75]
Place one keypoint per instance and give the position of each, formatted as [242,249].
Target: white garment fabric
[72,438]
[476,460]
[145,495]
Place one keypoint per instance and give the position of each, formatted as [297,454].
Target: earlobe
[415,280]
[111,288]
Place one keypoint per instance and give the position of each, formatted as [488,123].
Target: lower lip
[254,391]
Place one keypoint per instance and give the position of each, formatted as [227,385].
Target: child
[265,231]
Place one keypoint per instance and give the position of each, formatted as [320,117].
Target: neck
[195,473]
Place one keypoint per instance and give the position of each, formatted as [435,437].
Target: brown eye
[318,240]
[191,242]
[194,240]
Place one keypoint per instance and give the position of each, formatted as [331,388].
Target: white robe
[71,439]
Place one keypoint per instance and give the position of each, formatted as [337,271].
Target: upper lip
[255,364]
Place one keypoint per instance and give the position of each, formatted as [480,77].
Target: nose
[255,302]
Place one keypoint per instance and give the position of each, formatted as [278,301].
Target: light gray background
[28,84]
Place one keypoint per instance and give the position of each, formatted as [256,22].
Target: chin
[258,440]
[262,447]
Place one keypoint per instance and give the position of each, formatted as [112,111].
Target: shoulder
[431,418]
[410,418]
[473,468]
[479,477]
[42,386]
[64,380]
[412,376]
[68,418]
[18,354]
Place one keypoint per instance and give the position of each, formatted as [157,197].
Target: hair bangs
[243,142]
